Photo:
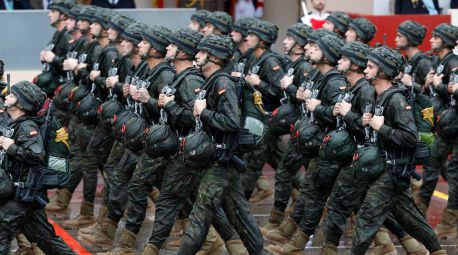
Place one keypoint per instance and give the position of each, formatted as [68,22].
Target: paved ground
[261,213]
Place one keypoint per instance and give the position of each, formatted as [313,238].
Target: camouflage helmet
[307,137]
[447,32]
[414,31]
[300,32]
[158,37]
[447,126]
[30,98]
[198,149]
[88,12]
[364,29]
[120,23]
[337,145]
[76,11]
[86,109]
[200,16]
[265,31]
[62,6]
[330,45]
[186,40]
[357,53]
[107,112]
[220,46]
[388,60]
[320,32]
[368,163]
[242,25]
[340,21]
[134,133]
[160,141]
[221,20]
[134,32]
[283,118]
[103,16]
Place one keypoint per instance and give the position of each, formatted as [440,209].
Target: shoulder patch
[33,133]
[221,91]
[342,87]
[197,90]
[408,107]
[276,68]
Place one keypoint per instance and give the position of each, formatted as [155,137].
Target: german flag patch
[276,68]
[221,91]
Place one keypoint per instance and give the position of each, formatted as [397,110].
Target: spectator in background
[15,5]
[416,7]
[244,8]
[114,4]
[454,4]
[317,16]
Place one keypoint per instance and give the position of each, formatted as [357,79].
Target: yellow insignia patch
[62,136]
[221,91]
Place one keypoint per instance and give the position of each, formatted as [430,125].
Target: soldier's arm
[272,73]
[182,114]
[403,132]
[28,145]
[226,117]
[166,77]
[354,119]
[83,73]
[108,63]
[125,70]
[441,89]
[331,93]
[423,68]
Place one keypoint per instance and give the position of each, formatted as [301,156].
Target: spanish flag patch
[197,90]
[276,68]
[408,107]
[221,91]
[33,133]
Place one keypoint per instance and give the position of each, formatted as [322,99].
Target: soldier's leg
[413,222]
[116,153]
[433,169]
[252,172]
[178,183]
[377,204]
[224,227]
[138,189]
[12,214]
[323,179]
[37,229]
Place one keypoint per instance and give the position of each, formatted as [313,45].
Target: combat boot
[150,249]
[85,219]
[59,204]
[172,245]
[328,249]
[412,246]
[447,226]
[275,219]
[89,229]
[294,247]
[383,244]
[125,246]
[26,248]
[421,205]
[213,244]
[439,252]
[263,190]
[294,197]
[102,238]
[283,233]
[236,247]
[415,186]
[154,195]
[178,227]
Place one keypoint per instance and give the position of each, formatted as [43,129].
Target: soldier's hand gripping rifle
[45,65]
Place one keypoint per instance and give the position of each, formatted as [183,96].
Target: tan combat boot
[328,249]
[421,205]
[125,246]
[89,229]
[447,226]
[283,233]
[439,252]
[415,186]
[412,246]
[236,247]
[102,238]
[178,227]
[59,204]
[294,247]
[383,244]
[85,219]
[275,219]
[263,190]
[294,196]
[25,247]
[213,244]
[150,249]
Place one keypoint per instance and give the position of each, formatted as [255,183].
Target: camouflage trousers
[119,182]
[178,190]
[389,194]
[288,176]
[147,174]
[434,168]
[18,216]
[115,155]
[452,178]
[270,151]
[220,187]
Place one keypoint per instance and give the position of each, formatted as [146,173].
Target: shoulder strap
[386,97]
[325,80]
[157,71]
[263,57]
[177,82]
